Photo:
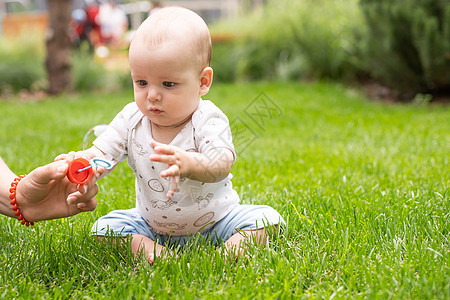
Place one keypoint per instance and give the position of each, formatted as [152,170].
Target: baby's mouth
[155,111]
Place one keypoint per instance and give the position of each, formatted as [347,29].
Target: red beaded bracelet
[12,196]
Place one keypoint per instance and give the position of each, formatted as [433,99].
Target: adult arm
[46,193]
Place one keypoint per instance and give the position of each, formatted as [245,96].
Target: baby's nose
[153,94]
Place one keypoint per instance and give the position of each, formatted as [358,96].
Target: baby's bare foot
[159,254]
[151,258]
[231,254]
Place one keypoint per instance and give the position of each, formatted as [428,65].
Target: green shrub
[87,73]
[224,60]
[17,76]
[124,81]
[21,66]
[408,44]
[296,40]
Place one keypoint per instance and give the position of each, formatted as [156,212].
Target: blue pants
[242,217]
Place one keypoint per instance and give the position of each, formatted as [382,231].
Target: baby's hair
[180,25]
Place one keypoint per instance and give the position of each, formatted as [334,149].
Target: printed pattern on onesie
[196,205]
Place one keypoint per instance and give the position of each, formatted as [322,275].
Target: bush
[17,76]
[87,74]
[408,44]
[296,40]
[22,68]
[21,65]
[224,61]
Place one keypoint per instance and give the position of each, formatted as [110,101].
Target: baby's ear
[206,78]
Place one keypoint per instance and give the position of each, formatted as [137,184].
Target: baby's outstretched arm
[212,166]
[87,154]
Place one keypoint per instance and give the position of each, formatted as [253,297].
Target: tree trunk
[58,60]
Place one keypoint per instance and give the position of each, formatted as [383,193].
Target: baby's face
[166,83]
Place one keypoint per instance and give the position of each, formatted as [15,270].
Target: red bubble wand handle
[80,170]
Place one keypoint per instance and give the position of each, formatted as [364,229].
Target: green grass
[363,187]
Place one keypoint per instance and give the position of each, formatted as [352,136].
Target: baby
[178,145]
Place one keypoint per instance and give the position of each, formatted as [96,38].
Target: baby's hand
[174,157]
[87,154]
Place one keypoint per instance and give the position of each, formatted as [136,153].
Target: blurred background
[392,50]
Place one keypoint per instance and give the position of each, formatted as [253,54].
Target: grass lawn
[362,186]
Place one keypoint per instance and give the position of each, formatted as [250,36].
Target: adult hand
[46,193]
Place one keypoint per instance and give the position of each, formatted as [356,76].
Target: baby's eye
[168,84]
[141,82]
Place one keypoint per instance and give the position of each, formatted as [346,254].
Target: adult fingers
[89,205]
[85,191]
[49,172]
[91,185]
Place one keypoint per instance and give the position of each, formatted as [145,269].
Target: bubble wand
[80,170]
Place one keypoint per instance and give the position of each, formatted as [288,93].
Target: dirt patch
[25,96]
[378,92]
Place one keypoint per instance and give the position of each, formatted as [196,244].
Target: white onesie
[196,205]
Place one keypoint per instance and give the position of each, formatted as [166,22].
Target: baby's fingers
[173,183]
[71,156]
[173,170]
[61,157]
[163,149]
[67,157]
[166,159]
